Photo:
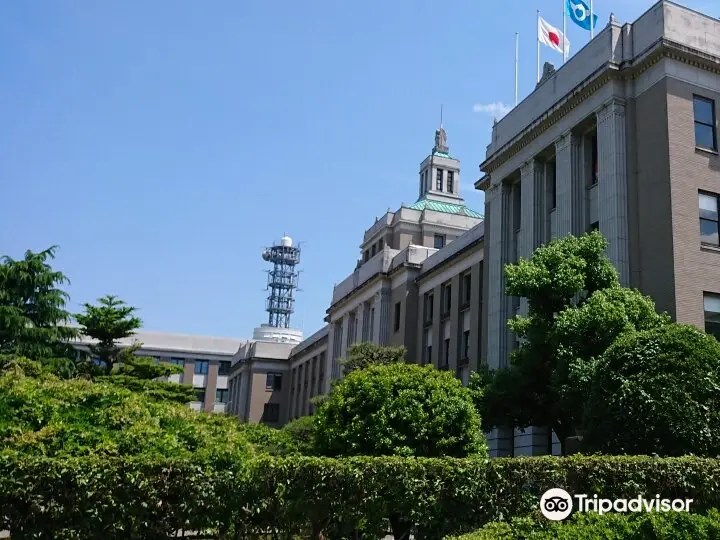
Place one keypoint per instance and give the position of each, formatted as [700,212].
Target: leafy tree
[656,391]
[33,318]
[399,409]
[363,355]
[576,310]
[107,323]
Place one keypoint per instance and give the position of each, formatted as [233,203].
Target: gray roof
[180,343]
[309,342]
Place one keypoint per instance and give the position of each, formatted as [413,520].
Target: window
[594,172]
[704,110]
[381,244]
[709,219]
[200,394]
[178,361]
[446,345]
[438,180]
[273,381]
[446,299]
[595,226]
[429,305]
[367,255]
[465,338]
[201,367]
[427,350]
[712,314]
[439,241]
[224,368]
[372,251]
[221,395]
[466,288]
[271,412]
[396,325]
[451,182]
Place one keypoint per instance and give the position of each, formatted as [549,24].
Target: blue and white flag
[579,12]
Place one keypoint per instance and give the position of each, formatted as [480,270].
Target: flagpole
[537,26]
[592,29]
[517,48]
[564,33]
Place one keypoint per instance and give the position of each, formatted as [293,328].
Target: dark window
[178,361]
[466,288]
[595,226]
[224,368]
[594,143]
[221,395]
[273,381]
[708,206]
[428,354]
[712,314]
[429,297]
[446,299]
[451,182]
[271,412]
[704,110]
[381,244]
[438,180]
[372,250]
[516,195]
[439,241]
[201,367]
[446,352]
[200,394]
[397,317]
[465,344]
[367,255]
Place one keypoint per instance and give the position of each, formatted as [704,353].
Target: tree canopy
[656,391]
[33,319]
[576,309]
[365,354]
[399,409]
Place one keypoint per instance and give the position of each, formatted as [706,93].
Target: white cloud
[496,110]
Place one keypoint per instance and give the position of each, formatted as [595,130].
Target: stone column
[362,316]
[495,223]
[529,191]
[563,183]
[612,185]
[384,301]
[579,185]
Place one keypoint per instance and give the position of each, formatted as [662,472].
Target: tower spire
[441,116]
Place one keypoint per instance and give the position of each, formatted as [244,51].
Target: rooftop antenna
[282,281]
[441,116]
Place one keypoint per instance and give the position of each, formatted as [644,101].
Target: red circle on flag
[554,38]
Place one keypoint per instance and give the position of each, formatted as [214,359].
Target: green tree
[108,323]
[363,355]
[656,391]
[576,309]
[399,409]
[302,432]
[33,319]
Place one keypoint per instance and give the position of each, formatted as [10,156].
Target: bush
[302,432]
[656,392]
[50,417]
[269,440]
[121,498]
[399,409]
[592,526]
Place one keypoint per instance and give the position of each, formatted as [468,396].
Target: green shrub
[142,497]
[269,440]
[399,409]
[656,392]
[592,526]
[302,432]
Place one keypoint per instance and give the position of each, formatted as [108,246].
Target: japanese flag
[552,37]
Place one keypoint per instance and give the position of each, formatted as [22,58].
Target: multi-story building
[379,301]
[206,362]
[622,138]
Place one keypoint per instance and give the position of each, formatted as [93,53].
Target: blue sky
[163,144]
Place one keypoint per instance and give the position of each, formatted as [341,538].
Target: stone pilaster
[612,185]
[496,313]
[563,183]
[527,238]
[579,185]
[383,302]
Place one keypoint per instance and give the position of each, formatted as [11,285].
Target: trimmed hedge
[591,526]
[112,499]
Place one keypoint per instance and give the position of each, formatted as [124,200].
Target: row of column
[305,384]
[238,400]
[570,216]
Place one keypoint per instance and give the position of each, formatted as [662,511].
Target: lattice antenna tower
[282,281]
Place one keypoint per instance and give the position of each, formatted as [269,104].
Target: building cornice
[440,267]
[624,71]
